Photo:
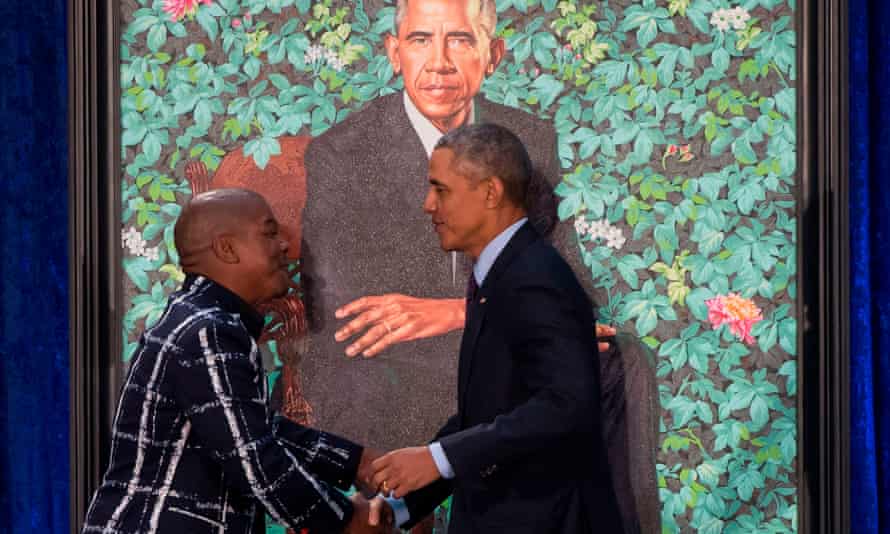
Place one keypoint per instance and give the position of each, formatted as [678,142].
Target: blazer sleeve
[218,382]
[556,360]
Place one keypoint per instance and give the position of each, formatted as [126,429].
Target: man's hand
[385,320]
[402,471]
[366,472]
[604,330]
[369,517]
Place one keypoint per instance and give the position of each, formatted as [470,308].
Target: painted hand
[384,320]
[604,330]
[369,517]
[402,471]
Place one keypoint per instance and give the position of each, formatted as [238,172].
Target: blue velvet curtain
[870,263]
[33,267]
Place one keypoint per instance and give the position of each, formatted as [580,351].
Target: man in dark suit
[195,447]
[523,453]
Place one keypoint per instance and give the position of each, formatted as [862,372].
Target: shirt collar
[493,249]
[428,133]
[228,301]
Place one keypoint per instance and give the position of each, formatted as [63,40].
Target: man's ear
[224,249]
[494,196]
[391,43]
[496,51]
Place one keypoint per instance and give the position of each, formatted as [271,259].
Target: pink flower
[577,56]
[537,71]
[739,313]
[671,150]
[717,314]
[236,23]
[684,149]
[568,47]
[248,17]
[180,8]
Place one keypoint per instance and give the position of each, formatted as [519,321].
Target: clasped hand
[399,472]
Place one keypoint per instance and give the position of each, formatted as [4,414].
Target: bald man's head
[231,236]
[210,215]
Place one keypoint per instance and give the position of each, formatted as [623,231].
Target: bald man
[195,448]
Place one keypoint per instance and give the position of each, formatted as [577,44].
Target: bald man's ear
[224,249]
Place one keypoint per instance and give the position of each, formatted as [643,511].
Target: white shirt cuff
[442,463]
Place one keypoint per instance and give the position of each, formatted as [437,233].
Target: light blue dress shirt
[480,270]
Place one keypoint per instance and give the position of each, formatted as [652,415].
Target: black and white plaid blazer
[195,448]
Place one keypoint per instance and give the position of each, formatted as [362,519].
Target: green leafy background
[622,80]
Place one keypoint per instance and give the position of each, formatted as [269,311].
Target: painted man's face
[442,59]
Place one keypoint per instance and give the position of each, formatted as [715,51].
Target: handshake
[394,474]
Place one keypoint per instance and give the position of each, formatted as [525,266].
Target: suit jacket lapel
[476,308]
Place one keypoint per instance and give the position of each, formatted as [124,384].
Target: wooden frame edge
[823,267]
[94,242]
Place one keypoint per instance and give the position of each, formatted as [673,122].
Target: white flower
[133,241]
[598,229]
[603,229]
[580,225]
[615,238]
[130,235]
[721,19]
[615,243]
[336,63]
[313,53]
[738,17]
[152,254]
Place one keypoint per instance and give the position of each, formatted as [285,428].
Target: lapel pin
[482,300]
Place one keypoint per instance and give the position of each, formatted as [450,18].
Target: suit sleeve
[556,359]
[290,470]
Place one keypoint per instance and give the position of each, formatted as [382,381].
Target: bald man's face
[262,253]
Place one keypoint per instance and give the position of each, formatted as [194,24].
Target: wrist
[459,313]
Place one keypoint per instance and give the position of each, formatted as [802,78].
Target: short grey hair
[484,150]
[483,14]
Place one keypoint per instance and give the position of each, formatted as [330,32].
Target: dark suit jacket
[195,448]
[526,444]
